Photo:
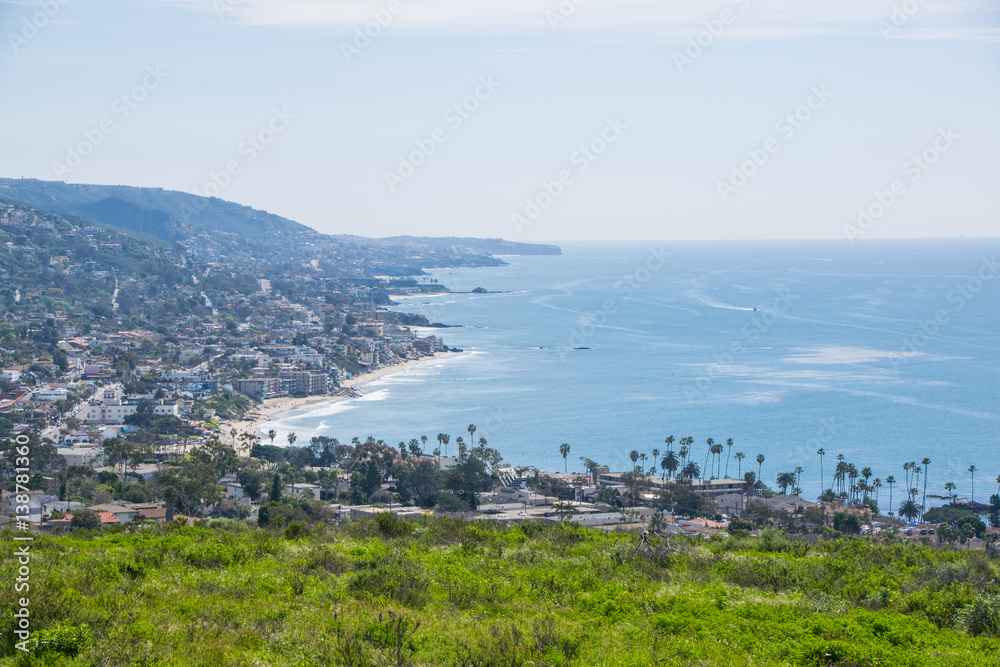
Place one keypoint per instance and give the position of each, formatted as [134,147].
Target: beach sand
[255,422]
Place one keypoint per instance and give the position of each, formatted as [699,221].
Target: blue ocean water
[883,351]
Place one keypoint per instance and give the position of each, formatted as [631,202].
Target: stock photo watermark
[48,10]
[22,554]
[121,108]
[759,324]
[914,169]
[624,288]
[714,29]
[562,13]
[900,16]
[787,127]
[364,34]
[247,151]
[454,117]
[223,7]
[582,158]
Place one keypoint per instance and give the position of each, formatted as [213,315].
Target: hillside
[215,228]
[447,592]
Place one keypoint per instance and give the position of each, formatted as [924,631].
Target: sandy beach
[255,422]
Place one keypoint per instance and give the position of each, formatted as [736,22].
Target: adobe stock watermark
[223,7]
[121,108]
[364,34]
[959,296]
[759,324]
[787,127]
[22,513]
[901,15]
[455,116]
[563,12]
[582,158]
[247,151]
[623,289]
[914,168]
[714,29]
[34,24]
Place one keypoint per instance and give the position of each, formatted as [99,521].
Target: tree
[670,463]
[846,522]
[471,428]
[634,455]
[950,488]
[926,463]
[251,482]
[909,509]
[739,456]
[121,454]
[564,510]
[564,450]
[785,480]
[85,519]
[291,437]
[972,472]
[272,434]
[711,450]
[275,495]
[822,453]
[691,471]
[760,463]
[890,480]
[442,439]
[418,481]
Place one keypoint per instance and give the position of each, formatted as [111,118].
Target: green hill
[447,592]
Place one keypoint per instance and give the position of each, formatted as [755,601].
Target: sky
[531,120]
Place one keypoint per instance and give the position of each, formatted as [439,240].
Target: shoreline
[255,423]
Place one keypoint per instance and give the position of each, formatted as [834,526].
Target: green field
[447,592]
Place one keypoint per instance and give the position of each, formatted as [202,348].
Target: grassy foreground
[446,592]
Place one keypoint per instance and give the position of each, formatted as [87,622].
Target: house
[120,513]
[149,512]
[259,388]
[36,500]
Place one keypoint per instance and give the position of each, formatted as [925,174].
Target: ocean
[883,351]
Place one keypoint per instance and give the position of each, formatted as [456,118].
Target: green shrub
[982,617]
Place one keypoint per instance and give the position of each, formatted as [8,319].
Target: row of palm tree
[681,464]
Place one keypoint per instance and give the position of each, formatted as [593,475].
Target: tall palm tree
[471,428]
[272,434]
[445,438]
[710,442]
[739,456]
[877,485]
[950,488]
[564,450]
[717,453]
[760,464]
[972,472]
[798,476]
[729,454]
[656,457]
[926,463]
[866,473]
[670,441]
[822,453]
[291,439]
[890,480]
[634,455]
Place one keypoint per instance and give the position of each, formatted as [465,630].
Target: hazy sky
[579,120]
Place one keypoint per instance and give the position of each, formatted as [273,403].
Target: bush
[982,617]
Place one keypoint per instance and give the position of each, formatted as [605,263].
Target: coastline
[255,423]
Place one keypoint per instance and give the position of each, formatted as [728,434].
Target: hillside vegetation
[447,592]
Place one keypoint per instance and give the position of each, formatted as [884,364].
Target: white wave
[715,303]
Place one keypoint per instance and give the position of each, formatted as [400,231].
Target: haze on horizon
[821,108]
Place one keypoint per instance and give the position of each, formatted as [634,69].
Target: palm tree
[785,479]
[471,428]
[691,471]
[822,453]
[798,476]
[760,463]
[877,485]
[717,454]
[890,480]
[634,455]
[445,438]
[710,442]
[292,438]
[866,472]
[564,450]
[926,463]
[950,488]
[729,454]
[642,457]
[656,457]
[909,509]
[998,485]
[972,472]
[232,433]
[739,456]
[670,463]
[272,434]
